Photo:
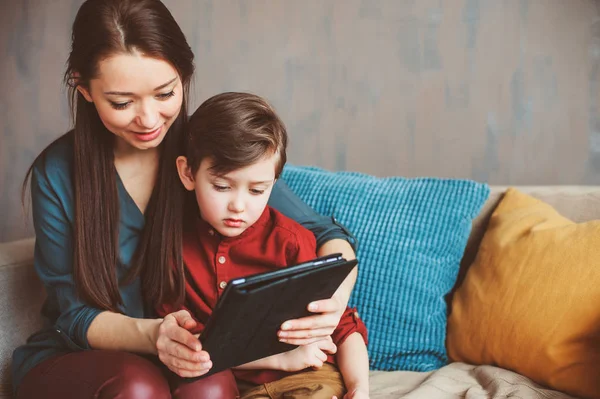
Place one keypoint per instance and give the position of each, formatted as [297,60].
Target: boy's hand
[356,393]
[311,355]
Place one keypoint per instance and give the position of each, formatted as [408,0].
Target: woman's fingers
[189,373]
[310,329]
[173,330]
[175,362]
[310,334]
[184,319]
[331,305]
[302,341]
[320,321]
[183,352]
[329,313]
[179,349]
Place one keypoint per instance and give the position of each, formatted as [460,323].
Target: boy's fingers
[327,346]
[322,356]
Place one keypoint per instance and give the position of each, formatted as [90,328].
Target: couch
[21,296]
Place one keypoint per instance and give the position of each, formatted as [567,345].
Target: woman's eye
[257,191]
[220,188]
[164,96]
[119,105]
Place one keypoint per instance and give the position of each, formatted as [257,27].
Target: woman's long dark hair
[103,28]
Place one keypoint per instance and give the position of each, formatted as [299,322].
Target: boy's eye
[256,191]
[164,96]
[220,188]
[120,105]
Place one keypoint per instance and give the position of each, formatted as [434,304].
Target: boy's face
[233,202]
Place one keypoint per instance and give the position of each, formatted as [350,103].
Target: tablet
[243,326]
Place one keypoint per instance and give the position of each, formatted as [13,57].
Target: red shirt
[211,260]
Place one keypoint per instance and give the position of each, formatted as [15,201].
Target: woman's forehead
[134,73]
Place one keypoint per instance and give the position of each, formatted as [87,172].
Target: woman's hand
[310,329]
[178,348]
[329,311]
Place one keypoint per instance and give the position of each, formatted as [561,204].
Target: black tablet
[243,326]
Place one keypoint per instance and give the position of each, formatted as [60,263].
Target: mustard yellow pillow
[531,300]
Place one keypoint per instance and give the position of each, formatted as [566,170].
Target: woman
[106,210]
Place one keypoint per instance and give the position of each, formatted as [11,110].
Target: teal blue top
[69,317]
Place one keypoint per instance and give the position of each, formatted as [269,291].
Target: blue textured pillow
[411,237]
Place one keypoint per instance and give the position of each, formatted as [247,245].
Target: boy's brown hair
[235,130]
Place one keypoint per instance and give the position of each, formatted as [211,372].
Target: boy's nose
[236,205]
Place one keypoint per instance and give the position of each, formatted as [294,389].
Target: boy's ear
[185,173]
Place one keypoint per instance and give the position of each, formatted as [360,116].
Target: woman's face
[137,98]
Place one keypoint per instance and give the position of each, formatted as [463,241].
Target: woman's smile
[149,136]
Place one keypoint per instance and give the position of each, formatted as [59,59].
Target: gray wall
[506,92]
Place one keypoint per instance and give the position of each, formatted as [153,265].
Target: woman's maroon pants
[102,374]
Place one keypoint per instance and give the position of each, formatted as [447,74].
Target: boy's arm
[267,363]
[313,355]
[353,362]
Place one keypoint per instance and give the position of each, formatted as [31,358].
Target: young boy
[235,152]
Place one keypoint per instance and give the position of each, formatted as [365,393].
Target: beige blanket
[458,380]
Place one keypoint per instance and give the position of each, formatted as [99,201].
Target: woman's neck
[137,170]
[136,162]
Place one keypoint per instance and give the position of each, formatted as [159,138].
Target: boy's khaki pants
[317,384]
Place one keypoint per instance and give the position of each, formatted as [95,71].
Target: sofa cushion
[21,298]
[530,302]
[411,235]
[578,203]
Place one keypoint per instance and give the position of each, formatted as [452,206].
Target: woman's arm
[53,205]
[329,311]
[342,246]
[325,228]
[84,326]
[331,238]
[115,331]
[168,338]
